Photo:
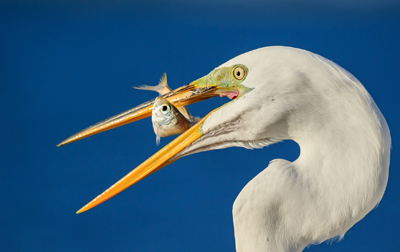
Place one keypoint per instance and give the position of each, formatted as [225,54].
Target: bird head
[259,87]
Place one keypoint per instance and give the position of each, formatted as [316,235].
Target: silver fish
[163,88]
[167,120]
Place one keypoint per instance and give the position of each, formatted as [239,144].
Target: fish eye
[239,73]
[165,108]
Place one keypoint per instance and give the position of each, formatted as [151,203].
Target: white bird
[282,93]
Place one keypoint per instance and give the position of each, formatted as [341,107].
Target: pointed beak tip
[64,142]
[81,210]
[78,212]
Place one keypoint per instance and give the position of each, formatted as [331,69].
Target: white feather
[342,171]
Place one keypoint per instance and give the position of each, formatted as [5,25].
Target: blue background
[68,65]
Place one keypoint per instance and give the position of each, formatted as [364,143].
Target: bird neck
[347,149]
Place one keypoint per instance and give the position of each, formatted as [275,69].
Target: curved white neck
[344,157]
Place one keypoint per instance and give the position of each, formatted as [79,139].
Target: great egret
[282,93]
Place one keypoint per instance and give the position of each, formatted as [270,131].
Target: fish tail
[161,85]
[163,81]
[151,88]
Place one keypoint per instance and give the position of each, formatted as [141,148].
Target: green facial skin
[225,79]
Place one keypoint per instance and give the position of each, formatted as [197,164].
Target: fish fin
[195,119]
[163,81]
[157,131]
[185,112]
[161,88]
[151,88]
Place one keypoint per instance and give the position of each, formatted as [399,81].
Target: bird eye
[239,73]
[165,108]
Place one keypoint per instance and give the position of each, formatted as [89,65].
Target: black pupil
[164,108]
[238,73]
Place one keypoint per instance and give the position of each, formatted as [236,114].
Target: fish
[167,119]
[163,88]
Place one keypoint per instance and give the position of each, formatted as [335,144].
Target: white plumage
[342,171]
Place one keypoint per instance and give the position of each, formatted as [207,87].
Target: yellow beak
[162,158]
[180,97]
[183,96]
